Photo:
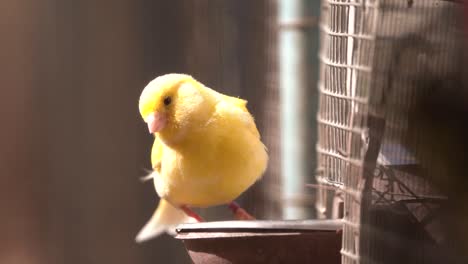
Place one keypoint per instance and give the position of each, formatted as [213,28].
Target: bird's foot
[239,213]
[191,213]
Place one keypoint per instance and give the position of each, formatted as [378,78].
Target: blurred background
[73,146]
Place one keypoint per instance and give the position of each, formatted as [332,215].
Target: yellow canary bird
[206,150]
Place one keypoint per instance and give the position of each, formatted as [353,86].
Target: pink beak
[156,121]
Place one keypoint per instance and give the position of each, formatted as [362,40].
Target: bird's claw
[191,213]
[239,213]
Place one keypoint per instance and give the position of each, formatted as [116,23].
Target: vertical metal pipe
[294,82]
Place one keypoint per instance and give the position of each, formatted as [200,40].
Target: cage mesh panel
[346,54]
[344,85]
[376,57]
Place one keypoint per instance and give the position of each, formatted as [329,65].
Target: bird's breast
[213,168]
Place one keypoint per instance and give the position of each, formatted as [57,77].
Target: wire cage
[346,52]
[379,58]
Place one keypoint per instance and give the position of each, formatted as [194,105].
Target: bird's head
[172,104]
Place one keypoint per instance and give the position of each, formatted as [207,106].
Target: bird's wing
[242,104]
[237,108]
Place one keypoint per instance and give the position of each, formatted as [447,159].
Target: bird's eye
[167,100]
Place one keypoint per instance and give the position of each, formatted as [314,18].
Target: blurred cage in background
[347,42]
[347,34]
[379,59]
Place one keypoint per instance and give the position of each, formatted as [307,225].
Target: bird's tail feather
[164,219]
